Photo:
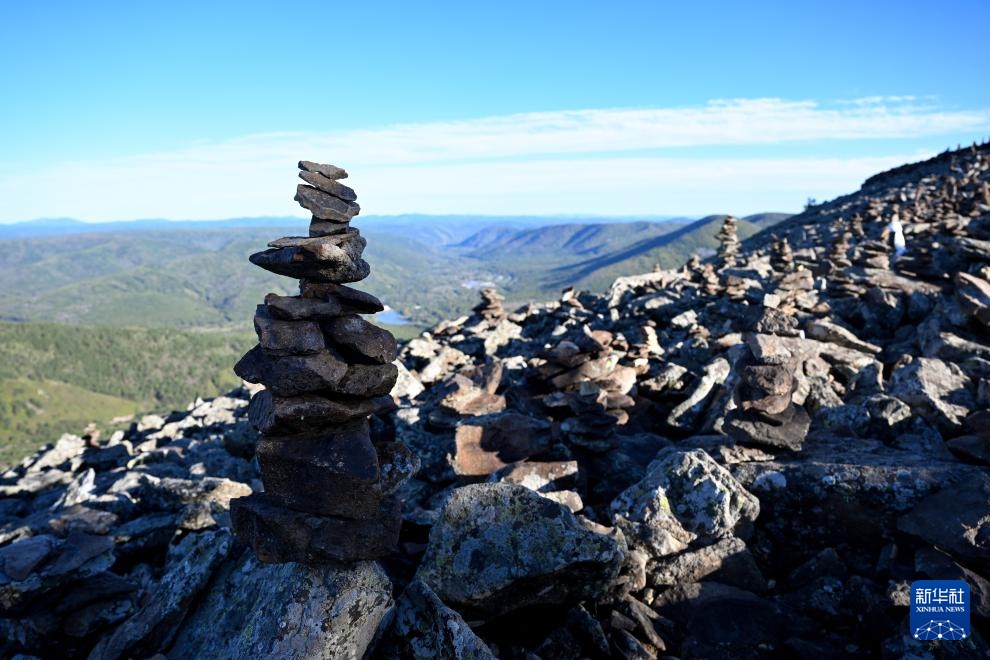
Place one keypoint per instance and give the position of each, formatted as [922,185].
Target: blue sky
[199,110]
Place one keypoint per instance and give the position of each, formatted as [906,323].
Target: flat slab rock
[289,611]
[786,430]
[325,372]
[143,633]
[280,535]
[498,547]
[326,206]
[330,474]
[332,259]
[322,301]
[329,171]
[328,185]
[278,415]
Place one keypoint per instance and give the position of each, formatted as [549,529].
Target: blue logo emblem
[939,610]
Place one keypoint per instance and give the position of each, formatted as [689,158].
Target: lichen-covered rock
[154,624]
[287,611]
[424,628]
[498,547]
[685,497]
[936,390]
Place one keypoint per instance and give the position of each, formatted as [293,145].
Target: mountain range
[196,275]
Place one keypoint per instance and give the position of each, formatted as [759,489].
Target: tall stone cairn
[728,242]
[328,489]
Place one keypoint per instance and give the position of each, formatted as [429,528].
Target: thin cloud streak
[549,162]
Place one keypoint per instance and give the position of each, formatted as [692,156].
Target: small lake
[391,317]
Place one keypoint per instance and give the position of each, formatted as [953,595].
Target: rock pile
[728,238]
[765,413]
[741,462]
[329,491]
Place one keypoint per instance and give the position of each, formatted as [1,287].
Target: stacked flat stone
[765,414]
[840,284]
[328,489]
[782,257]
[728,237]
[586,380]
[490,308]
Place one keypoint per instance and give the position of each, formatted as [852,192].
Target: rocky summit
[752,456]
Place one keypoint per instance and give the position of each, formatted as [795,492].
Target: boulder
[499,547]
[685,498]
[291,611]
[936,390]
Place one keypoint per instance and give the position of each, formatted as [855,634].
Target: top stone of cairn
[329,171]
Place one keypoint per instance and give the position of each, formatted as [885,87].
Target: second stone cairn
[329,491]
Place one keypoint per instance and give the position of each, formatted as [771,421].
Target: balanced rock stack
[490,308]
[765,413]
[328,490]
[728,238]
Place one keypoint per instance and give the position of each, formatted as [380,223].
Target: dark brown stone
[333,473]
[464,397]
[489,443]
[319,227]
[324,206]
[368,379]
[328,185]
[329,171]
[325,372]
[353,335]
[333,259]
[278,415]
[784,431]
[280,535]
[292,375]
[279,337]
[331,305]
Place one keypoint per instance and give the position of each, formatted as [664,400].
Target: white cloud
[590,161]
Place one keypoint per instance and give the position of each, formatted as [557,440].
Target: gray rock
[287,611]
[955,519]
[686,414]
[281,535]
[331,259]
[685,497]
[278,337]
[329,171]
[499,547]
[423,627]
[366,341]
[152,626]
[692,565]
[934,389]
[786,430]
[328,185]
[339,469]
[277,415]
[324,206]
